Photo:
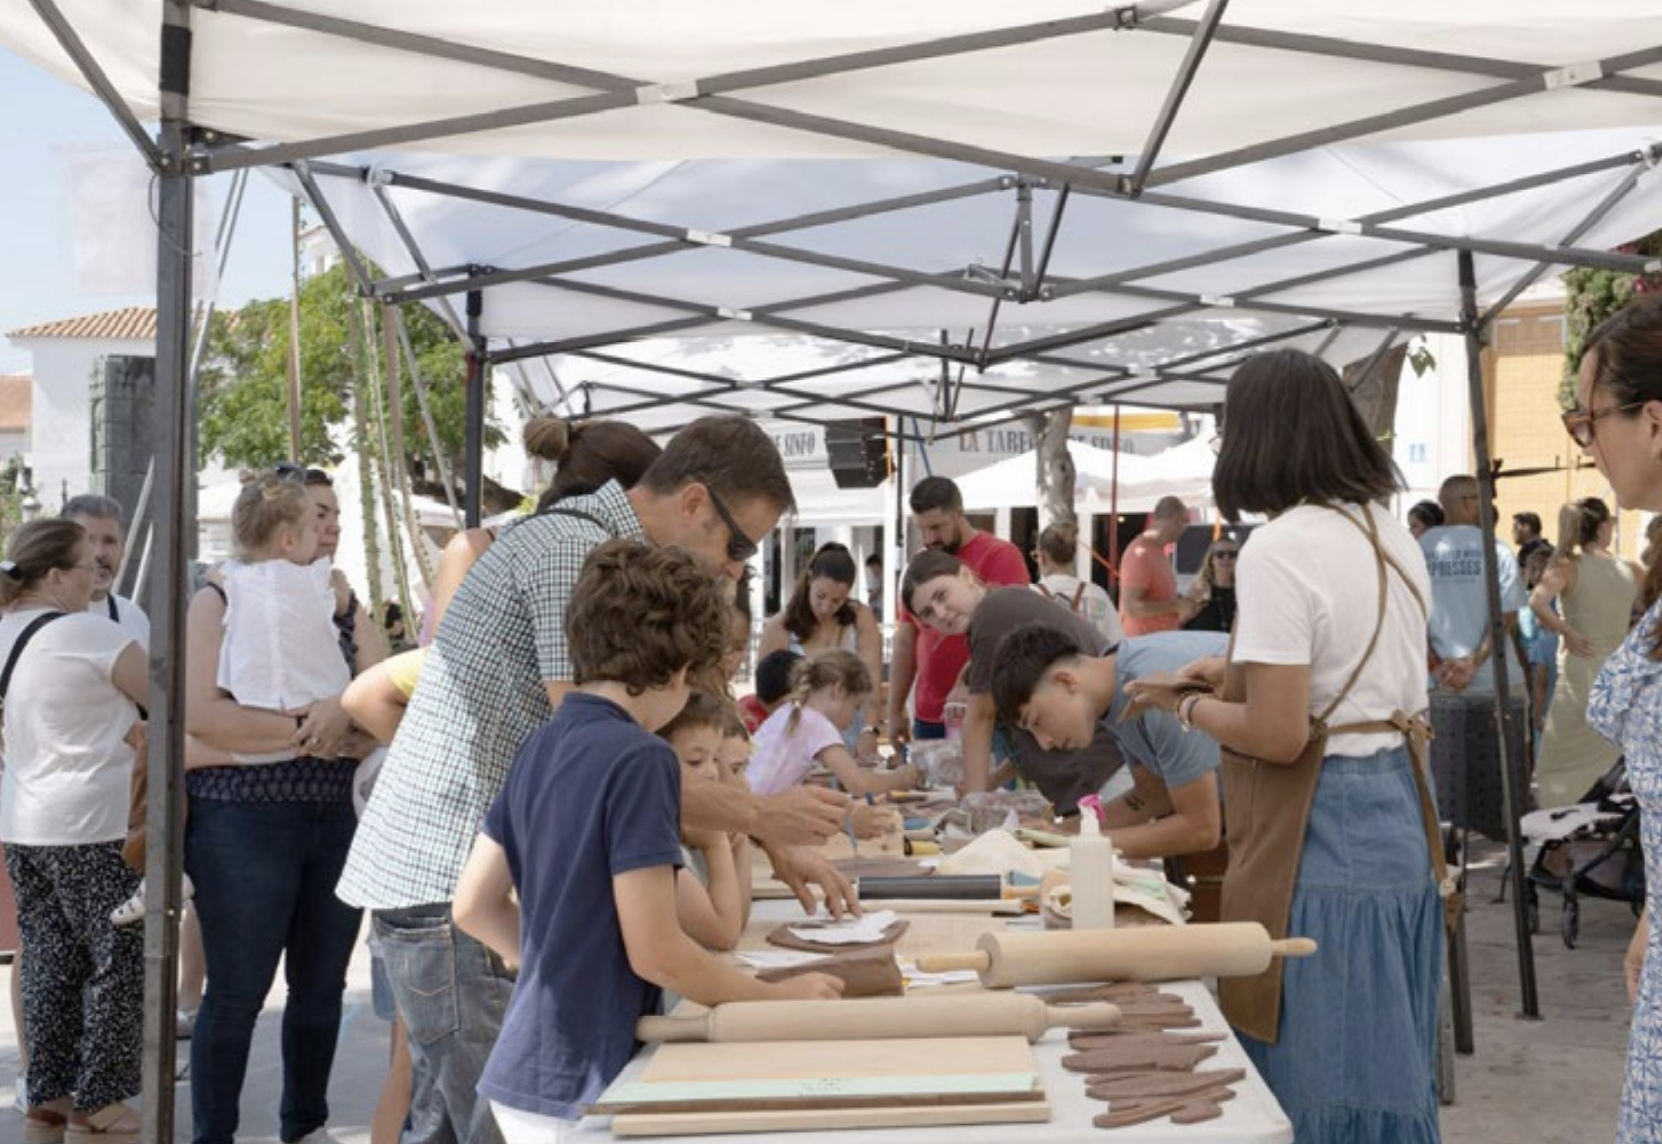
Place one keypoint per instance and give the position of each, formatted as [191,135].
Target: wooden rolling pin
[1145,953]
[879,1018]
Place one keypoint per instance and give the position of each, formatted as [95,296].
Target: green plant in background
[11,497]
[244,381]
[1591,296]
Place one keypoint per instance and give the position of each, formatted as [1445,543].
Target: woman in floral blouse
[1617,422]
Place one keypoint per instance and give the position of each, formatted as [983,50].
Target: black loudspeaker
[122,400]
[857,451]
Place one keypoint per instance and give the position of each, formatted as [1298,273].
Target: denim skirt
[1355,1058]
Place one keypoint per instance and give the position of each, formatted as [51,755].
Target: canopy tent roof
[908,305]
[1088,206]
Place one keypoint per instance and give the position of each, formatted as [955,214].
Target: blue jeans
[452,993]
[265,877]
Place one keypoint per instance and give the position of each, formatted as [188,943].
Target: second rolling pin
[879,1018]
[1146,953]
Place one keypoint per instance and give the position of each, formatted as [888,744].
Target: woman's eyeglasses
[1581,424]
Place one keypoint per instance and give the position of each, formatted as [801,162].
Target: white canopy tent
[1090,204]
[989,219]
[1140,480]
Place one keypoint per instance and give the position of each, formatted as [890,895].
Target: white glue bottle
[1091,871]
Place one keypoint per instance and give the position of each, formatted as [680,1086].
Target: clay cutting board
[843,1084]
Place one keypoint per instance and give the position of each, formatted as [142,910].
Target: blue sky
[41,117]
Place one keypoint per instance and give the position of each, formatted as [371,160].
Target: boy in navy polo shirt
[587,829]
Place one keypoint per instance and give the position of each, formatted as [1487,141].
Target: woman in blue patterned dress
[1618,423]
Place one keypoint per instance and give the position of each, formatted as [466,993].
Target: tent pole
[1499,638]
[174,536]
[1114,512]
[474,442]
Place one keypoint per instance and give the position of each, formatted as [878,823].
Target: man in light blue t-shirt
[1459,622]
[1043,684]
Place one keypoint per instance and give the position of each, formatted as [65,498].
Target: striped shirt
[481,695]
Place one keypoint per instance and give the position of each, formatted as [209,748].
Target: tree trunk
[1376,394]
[1056,471]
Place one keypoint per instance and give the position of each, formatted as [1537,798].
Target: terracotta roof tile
[16,401]
[134,322]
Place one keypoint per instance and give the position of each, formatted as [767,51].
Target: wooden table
[1252,1117]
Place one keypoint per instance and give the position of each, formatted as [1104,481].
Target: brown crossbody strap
[1372,534]
[1415,731]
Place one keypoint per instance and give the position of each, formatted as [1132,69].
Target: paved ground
[1556,1079]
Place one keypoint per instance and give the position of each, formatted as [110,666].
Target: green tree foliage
[1591,296]
[244,381]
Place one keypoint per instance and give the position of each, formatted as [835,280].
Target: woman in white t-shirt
[829,690]
[70,715]
[1347,1045]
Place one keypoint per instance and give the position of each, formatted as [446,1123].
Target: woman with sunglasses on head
[270,789]
[1214,588]
[1595,591]
[1617,422]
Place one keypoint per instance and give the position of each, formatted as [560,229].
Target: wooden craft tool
[958,1015]
[1151,953]
[692,1089]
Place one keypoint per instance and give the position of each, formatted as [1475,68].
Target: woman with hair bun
[1595,592]
[823,614]
[585,455]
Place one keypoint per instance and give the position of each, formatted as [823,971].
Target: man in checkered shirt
[497,669]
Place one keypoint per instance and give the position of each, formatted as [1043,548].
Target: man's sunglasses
[739,546]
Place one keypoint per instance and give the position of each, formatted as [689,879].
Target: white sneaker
[132,910]
[318,1136]
[20,1093]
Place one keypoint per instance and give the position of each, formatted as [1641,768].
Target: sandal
[44,1125]
[113,1124]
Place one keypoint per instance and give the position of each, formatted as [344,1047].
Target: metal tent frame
[875,382]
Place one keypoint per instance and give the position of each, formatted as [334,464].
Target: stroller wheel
[1571,922]
[1532,908]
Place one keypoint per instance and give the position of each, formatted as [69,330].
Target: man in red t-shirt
[1149,601]
[935,661]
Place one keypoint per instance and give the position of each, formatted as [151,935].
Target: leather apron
[1269,813]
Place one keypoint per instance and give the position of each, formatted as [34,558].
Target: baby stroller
[1591,848]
